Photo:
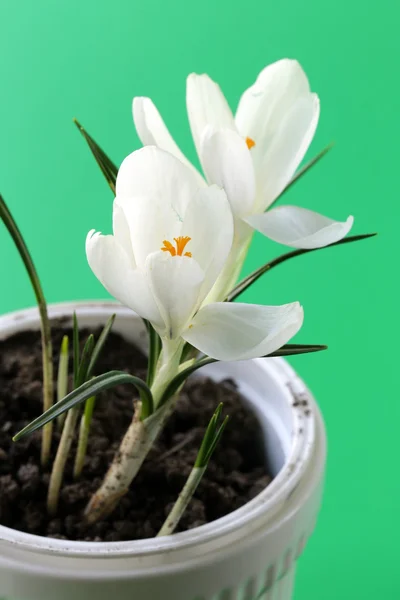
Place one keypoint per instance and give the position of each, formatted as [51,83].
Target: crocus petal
[263,105]
[279,157]
[152,130]
[151,171]
[111,265]
[209,224]
[164,188]
[279,114]
[122,233]
[206,105]
[227,162]
[234,331]
[299,227]
[175,282]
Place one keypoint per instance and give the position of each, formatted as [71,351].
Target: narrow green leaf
[106,165]
[286,350]
[92,388]
[292,349]
[218,412]
[24,253]
[211,438]
[252,278]
[306,168]
[88,412]
[154,352]
[262,592]
[47,348]
[62,374]
[76,352]
[217,438]
[100,345]
[85,360]
[208,438]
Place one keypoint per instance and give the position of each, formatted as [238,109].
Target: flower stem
[183,500]
[139,438]
[57,472]
[210,441]
[134,448]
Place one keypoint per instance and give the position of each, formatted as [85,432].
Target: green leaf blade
[217,438]
[75,348]
[47,347]
[91,388]
[311,163]
[62,375]
[243,285]
[211,438]
[294,349]
[85,360]
[106,165]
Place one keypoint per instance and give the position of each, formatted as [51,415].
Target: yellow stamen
[181,243]
[250,143]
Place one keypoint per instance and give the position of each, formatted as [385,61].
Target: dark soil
[237,471]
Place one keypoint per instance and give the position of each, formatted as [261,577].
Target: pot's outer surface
[249,554]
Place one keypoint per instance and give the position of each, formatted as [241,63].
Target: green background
[88,59]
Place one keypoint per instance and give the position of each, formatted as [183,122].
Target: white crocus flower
[255,153]
[171,237]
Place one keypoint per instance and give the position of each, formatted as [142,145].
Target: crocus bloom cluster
[172,235]
[254,154]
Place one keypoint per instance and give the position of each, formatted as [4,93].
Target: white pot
[249,554]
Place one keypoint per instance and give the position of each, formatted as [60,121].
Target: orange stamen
[181,243]
[250,143]
[168,247]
